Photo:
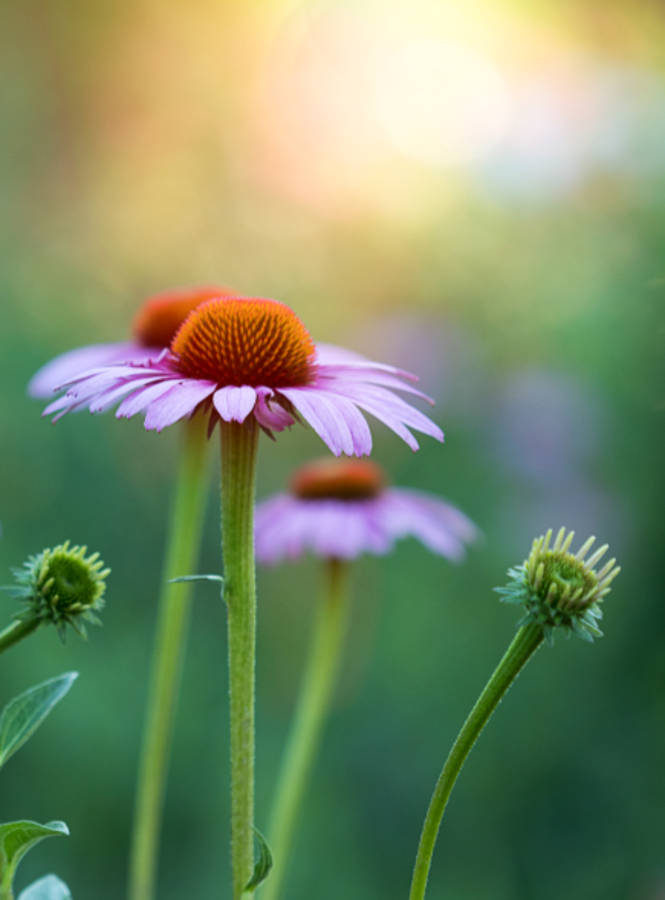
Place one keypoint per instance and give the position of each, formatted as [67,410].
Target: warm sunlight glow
[440,102]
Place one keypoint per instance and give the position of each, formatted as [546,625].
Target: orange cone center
[158,320]
[338,479]
[238,341]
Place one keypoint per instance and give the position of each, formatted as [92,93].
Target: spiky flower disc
[559,588]
[235,358]
[63,586]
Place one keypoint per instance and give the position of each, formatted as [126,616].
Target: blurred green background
[473,191]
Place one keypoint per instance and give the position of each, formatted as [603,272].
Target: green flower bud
[560,589]
[63,586]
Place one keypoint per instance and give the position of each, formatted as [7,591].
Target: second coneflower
[249,363]
[338,510]
[154,326]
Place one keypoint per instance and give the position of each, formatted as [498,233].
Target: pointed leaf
[16,838]
[25,713]
[196,578]
[262,866]
[50,887]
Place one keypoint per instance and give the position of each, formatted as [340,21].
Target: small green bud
[63,586]
[560,589]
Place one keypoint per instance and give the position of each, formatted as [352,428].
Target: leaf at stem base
[263,864]
[16,838]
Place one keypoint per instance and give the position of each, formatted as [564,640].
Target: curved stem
[173,618]
[524,644]
[238,459]
[315,693]
[7,889]
[17,630]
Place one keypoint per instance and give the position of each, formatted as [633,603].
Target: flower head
[235,357]
[63,586]
[559,588]
[340,509]
[155,325]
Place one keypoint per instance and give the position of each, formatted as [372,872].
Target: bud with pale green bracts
[561,589]
[61,586]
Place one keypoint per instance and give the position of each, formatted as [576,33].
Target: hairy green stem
[314,700]
[238,459]
[524,644]
[173,619]
[17,630]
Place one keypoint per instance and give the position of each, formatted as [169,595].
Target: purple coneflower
[338,510]
[154,327]
[342,509]
[237,358]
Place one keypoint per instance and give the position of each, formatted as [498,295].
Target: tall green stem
[17,630]
[313,703]
[238,458]
[524,644]
[173,618]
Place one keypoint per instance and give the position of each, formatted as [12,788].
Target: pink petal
[441,527]
[331,376]
[440,510]
[105,400]
[331,357]
[390,420]
[286,527]
[93,385]
[356,424]
[234,404]
[390,405]
[326,421]
[141,399]
[65,404]
[76,362]
[177,403]
[360,430]
[272,416]
[62,402]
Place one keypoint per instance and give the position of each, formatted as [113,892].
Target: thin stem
[17,630]
[173,619]
[238,459]
[313,703]
[524,644]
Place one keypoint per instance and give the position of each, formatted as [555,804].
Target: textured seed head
[245,341]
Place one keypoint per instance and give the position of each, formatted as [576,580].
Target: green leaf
[50,887]
[25,713]
[196,578]
[16,838]
[262,866]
